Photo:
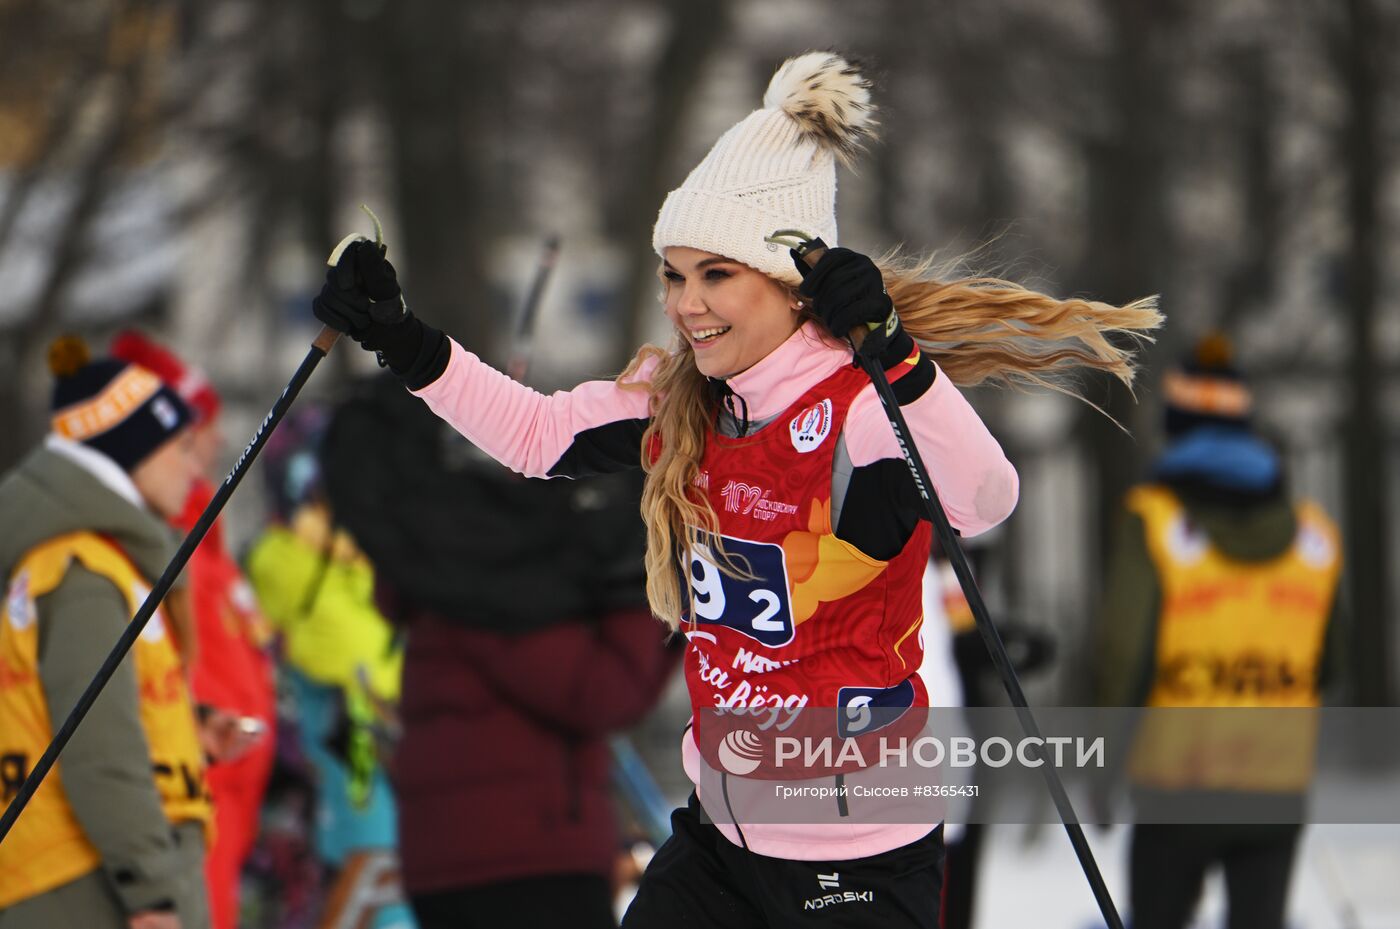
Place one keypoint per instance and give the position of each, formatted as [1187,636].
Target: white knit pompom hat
[775,169]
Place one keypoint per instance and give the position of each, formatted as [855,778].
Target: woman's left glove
[846,290]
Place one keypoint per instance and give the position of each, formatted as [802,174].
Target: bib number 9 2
[756,608]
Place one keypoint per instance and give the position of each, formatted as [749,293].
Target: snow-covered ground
[1345,877]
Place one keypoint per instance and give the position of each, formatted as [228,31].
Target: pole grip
[325,340]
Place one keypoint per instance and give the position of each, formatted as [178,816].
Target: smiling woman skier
[774,485]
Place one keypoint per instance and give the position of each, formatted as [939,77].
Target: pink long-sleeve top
[598,427]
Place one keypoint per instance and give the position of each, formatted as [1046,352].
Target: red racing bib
[816,622]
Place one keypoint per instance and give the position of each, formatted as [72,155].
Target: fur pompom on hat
[775,169]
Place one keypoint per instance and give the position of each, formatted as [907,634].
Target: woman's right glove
[362,299]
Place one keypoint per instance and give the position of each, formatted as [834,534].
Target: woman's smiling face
[732,315]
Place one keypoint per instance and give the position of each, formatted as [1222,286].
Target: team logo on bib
[1315,547]
[155,626]
[1187,542]
[811,426]
[19,606]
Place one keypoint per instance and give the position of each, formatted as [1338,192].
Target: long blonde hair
[978,330]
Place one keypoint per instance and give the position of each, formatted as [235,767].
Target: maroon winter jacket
[504,768]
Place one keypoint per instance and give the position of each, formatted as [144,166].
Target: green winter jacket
[317,588]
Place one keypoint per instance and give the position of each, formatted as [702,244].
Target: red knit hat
[188,381]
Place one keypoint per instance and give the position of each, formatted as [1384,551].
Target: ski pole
[320,347]
[524,339]
[630,773]
[636,783]
[810,250]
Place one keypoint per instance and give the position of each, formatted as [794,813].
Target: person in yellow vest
[114,838]
[1221,594]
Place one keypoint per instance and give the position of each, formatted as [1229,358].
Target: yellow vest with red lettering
[47,846]
[1235,635]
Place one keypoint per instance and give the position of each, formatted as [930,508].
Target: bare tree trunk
[1128,235]
[1252,283]
[1360,55]
[434,74]
[697,29]
[90,178]
[325,105]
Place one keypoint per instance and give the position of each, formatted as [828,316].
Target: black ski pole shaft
[525,328]
[811,251]
[948,540]
[319,348]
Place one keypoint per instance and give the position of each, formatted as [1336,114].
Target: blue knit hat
[120,409]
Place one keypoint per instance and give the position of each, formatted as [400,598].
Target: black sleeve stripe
[615,446]
[915,383]
[882,508]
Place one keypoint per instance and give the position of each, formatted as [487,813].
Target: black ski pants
[701,879]
[576,901]
[1168,867]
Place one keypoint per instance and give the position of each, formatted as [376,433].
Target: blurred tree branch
[78,131]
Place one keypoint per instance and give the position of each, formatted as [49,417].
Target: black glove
[361,290]
[846,290]
[362,299]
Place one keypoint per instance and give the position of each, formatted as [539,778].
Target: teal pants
[341,826]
